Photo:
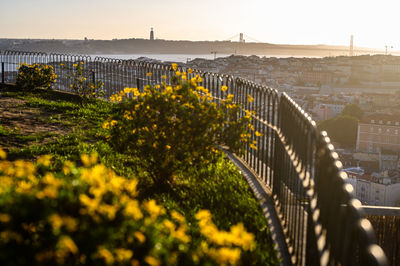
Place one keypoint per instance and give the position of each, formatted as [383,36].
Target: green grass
[218,187]
[5,131]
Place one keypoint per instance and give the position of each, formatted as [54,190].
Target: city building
[377,132]
[316,78]
[327,109]
[388,160]
[379,190]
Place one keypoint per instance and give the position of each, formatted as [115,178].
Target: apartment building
[377,132]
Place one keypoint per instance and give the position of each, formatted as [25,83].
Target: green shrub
[89,215]
[35,75]
[81,86]
[175,127]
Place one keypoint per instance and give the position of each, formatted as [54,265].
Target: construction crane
[386,48]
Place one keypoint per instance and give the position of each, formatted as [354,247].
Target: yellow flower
[89,160]
[178,73]
[198,79]
[108,210]
[45,160]
[67,244]
[132,209]
[152,261]
[258,134]
[128,90]
[123,254]
[253,146]
[181,234]
[149,74]
[226,255]
[153,209]
[105,254]
[140,237]
[164,77]
[128,115]
[55,221]
[177,216]
[4,218]
[113,122]
[168,147]
[174,66]
[67,167]
[3,154]
[250,98]
[224,88]
[169,225]
[203,215]
[190,70]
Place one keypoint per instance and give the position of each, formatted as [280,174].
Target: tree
[342,129]
[353,110]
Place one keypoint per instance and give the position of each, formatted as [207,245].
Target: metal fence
[324,224]
[386,222]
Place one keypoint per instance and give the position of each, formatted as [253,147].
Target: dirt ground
[21,125]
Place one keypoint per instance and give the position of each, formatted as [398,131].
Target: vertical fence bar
[2,73]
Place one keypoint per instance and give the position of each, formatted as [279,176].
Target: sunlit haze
[331,22]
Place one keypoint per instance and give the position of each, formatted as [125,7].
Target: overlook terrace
[322,221]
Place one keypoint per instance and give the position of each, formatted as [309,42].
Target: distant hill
[144,46]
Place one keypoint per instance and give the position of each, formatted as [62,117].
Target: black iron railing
[324,224]
[386,223]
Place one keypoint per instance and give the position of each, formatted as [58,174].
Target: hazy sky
[373,23]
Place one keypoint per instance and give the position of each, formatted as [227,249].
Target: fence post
[138,84]
[312,255]
[93,78]
[2,73]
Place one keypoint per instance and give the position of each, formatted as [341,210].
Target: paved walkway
[263,195]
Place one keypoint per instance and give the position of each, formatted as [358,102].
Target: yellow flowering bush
[173,127]
[31,76]
[80,84]
[88,215]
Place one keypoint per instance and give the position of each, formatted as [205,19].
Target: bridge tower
[351,45]
[241,38]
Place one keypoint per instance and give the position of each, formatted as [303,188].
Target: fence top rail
[14,52]
[381,210]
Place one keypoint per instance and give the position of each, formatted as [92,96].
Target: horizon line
[250,42]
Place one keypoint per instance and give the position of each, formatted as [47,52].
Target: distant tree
[342,129]
[353,110]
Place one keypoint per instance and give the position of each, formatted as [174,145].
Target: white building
[369,192]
